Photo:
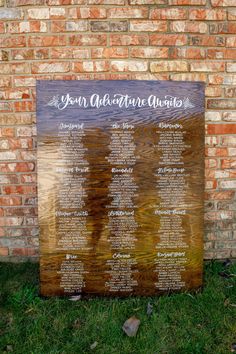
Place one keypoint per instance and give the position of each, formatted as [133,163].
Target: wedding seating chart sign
[120,186]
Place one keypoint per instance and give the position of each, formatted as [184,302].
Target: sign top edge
[38,81]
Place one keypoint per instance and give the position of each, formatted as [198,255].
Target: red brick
[168,14]
[219,215]
[69,26]
[2,28]
[188,53]
[208,41]
[65,2]
[223,3]
[26,143]
[207,66]
[7,155]
[17,119]
[229,79]
[31,221]
[30,54]
[213,91]
[18,190]
[48,67]
[149,76]
[211,163]
[10,201]
[228,163]
[189,77]
[91,12]
[209,174]
[10,14]
[126,39]
[91,66]
[216,53]
[106,53]
[231,14]
[232,174]
[22,211]
[17,167]
[9,179]
[6,107]
[28,178]
[73,53]
[24,81]
[4,55]
[168,39]
[176,65]
[231,67]
[5,81]
[24,252]
[7,132]
[146,2]
[187,2]
[17,3]
[221,104]
[231,41]
[88,39]
[231,151]
[57,13]
[2,221]
[12,42]
[14,68]
[148,26]
[28,155]
[213,129]
[216,79]
[229,140]
[24,106]
[223,28]
[109,26]
[38,13]
[188,26]
[220,151]
[212,140]
[210,184]
[230,116]
[149,52]
[67,77]
[132,65]
[127,12]
[25,131]
[14,94]
[58,26]
[107,2]
[47,41]
[77,76]
[207,14]
[230,92]
[14,143]
[27,26]
[4,251]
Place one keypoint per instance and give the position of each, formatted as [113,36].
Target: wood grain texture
[90,237]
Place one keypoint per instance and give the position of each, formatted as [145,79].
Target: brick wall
[114,39]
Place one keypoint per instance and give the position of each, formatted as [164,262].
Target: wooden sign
[120,186]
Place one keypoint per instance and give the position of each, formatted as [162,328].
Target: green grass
[204,322]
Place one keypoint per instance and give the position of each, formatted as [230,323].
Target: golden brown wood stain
[97,138]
